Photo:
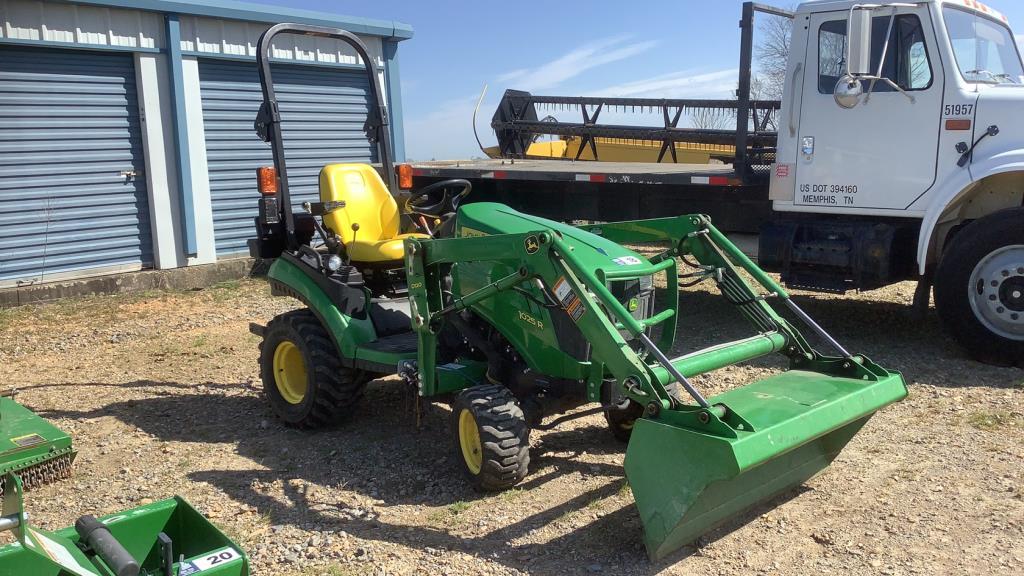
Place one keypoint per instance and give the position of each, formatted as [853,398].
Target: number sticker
[958,109]
[216,559]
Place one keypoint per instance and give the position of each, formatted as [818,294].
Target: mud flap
[687,480]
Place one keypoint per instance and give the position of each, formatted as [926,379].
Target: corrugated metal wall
[69,127]
[322,109]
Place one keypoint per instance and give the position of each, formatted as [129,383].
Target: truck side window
[906,61]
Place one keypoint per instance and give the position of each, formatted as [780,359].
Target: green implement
[36,450]
[166,538]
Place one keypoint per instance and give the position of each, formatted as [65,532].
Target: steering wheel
[434,201]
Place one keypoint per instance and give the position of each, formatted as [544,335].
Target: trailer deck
[580,171]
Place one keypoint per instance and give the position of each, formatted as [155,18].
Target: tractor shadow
[381,455]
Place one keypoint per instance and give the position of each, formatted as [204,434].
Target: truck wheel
[302,375]
[492,440]
[979,288]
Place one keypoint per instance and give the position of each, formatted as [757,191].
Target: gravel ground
[161,393]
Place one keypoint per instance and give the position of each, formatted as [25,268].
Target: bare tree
[711,118]
[772,54]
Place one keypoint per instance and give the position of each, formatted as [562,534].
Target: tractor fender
[955,189]
[347,332]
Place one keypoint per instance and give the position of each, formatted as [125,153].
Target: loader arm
[691,464]
[597,313]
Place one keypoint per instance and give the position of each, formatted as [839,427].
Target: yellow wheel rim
[290,372]
[469,441]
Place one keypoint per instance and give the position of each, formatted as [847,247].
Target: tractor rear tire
[303,377]
[491,437]
[979,288]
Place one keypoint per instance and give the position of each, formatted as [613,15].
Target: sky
[647,48]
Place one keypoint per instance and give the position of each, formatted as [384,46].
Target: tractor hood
[489,218]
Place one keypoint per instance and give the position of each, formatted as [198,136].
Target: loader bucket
[36,450]
[687,480]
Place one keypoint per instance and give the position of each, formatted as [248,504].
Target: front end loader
[36,450]
[166,538]
[519,322]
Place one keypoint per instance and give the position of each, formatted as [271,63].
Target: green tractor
[166,538]
[516,319]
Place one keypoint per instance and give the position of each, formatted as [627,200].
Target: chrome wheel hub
[997,292]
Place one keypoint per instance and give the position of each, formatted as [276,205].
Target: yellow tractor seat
[368,204]
[380,251]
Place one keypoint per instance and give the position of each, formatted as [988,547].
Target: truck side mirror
[849,89]
[858,57]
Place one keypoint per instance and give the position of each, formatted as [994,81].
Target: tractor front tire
[491,437]
[303,377]
[979,288]
[620,422]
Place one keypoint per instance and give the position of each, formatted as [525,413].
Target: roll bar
[268,119]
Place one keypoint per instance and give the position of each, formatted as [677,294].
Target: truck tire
[979,288]
[491,437]
[303,377]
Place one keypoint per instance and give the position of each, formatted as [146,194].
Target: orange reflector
[404,176]
[958,124]
[266,180]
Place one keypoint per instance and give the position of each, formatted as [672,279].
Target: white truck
[899,155]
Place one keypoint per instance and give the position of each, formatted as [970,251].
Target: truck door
[882,153]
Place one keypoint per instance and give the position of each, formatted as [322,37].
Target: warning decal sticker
[568,299]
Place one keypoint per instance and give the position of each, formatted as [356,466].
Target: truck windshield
[985,50]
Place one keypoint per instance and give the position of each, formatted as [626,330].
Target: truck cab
[901,147]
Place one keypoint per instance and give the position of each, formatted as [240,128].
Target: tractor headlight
[334,263]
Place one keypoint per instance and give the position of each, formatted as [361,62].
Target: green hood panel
[489,218]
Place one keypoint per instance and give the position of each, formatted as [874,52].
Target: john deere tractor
[517,321]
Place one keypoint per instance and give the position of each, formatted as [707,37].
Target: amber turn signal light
[404,176]
[266,180]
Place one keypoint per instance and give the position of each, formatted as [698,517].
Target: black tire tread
[336,389]
[952,277]
[504,436]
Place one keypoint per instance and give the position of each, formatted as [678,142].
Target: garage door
[322,115]
[70,143]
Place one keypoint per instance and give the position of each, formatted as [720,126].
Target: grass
[992,421]
[624,489]
[510,495]
[449,514]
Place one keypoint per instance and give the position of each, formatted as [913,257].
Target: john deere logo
[532,245]
[634,303]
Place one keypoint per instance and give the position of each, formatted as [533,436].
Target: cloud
[576,62]
[689,84]
[447,131]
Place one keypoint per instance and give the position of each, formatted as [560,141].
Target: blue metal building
[126,127]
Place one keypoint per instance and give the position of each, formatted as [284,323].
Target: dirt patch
[161,393]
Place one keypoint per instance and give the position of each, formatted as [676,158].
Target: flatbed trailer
[607,191]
